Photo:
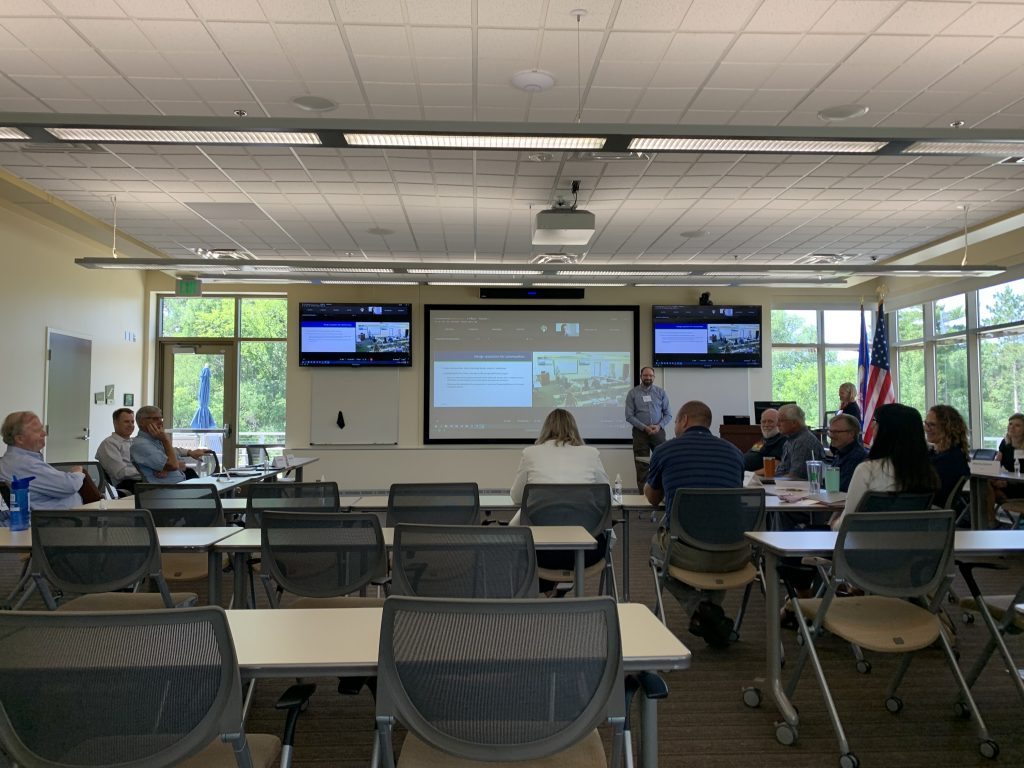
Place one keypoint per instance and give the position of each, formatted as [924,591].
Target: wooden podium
[743,436]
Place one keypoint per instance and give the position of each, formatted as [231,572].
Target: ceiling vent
[555,258]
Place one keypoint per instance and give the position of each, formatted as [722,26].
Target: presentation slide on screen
[496,373]
[328,337]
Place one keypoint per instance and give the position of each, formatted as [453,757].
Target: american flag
[879,387]
[862,365]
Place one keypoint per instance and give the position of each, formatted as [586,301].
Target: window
[198,318]
[951,374]
[910,323]
[910,382]
[950,315]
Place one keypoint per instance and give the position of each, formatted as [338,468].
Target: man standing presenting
[801,444]
[153,453]
[771,445]
[115,453]
[696,459]
[648,413]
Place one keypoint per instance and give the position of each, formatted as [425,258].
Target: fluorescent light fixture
[468,141]
[443,271]
[476,282]
[996,148]
[682,144]
[574,284]
[13,134]
[159,136]
[616,273]
[368,282]
[934,272]
[304,268]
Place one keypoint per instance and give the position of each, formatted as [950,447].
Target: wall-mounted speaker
[531,293]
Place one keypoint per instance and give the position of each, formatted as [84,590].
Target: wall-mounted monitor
[706,336]
[494,373]
[355,334]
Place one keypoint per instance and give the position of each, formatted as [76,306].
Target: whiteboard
[368,399]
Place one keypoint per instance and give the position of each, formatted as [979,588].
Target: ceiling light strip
[575,284]
[468,141]
[302,268]
[997,149]
[159,136]
[617,273]
[682,144]
[367,282]
[476,282]
[443,271]
[13,134]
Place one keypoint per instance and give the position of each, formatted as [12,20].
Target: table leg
[625,556]
[773,608]
[648,732]
[979,495]
[240,599]
[579,573]
[213,576]
[298,474]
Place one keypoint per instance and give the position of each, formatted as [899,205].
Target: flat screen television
[706,336]
[355,334]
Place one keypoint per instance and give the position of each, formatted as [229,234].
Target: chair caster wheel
[752,697]
[785,734]
[894,704]
[864,666]
[989,749]
[800,639]
[849,760]
[968,618]
[734,636]
[961,710]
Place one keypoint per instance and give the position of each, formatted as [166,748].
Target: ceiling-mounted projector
[563,226]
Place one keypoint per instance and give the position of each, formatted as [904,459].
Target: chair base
[997,606]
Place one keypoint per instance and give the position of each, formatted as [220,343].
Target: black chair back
[433,504]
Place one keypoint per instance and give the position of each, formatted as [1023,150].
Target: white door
[66,410]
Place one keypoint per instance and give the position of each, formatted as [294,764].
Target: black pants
[643,444]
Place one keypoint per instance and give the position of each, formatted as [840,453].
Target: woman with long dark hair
[898,460]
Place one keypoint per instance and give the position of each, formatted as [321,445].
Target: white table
[229,505]
[344,641]
[171,540]
[776,545]
[545,537]
[243,476]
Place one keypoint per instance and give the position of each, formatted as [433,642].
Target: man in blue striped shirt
[694,459]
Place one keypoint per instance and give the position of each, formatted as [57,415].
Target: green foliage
[261,390]
[794,326]
[910,323]
[950,314]
[795,377]
[204,317]
[264,319]
[911,377]
[187,369]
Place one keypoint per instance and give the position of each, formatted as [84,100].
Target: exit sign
[188,286]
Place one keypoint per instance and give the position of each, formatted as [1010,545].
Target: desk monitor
[760,406]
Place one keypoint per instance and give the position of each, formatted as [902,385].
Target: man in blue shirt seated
[695,459]
[50,488]
[152,452]
[847,450]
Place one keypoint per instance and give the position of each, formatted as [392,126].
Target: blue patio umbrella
[203,418]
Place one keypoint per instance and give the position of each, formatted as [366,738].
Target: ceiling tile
[439,42]
[234,10]
[297,11]
[46,34]
[440,12]
[385,69]
[855,15]
[233,36]
[502,14]
[688,46]
[716,16]
[23,62]
[649,14]
[113,34]
[178,36]
[787,15]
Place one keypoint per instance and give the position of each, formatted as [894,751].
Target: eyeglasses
[834,431]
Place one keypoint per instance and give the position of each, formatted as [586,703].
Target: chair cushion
[263,747]
[586,753]
[709,580]
[128,601]
[997,605]
[568,574]
[184,566]
[884,624]
[337,602]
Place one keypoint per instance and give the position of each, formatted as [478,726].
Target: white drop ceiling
[770,65]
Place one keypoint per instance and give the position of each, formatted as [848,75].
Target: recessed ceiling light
[957,124]
[380,231]
[689,234]
[314,103]
[841,112]
[159,136]
[807,146]
[1002,148]
[533,80]
[469,141]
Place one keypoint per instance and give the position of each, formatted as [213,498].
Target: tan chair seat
[710,580]
[997,606]
[884,624]
[184,566]
[337,602]
[586,753]
[264,748]
[568,574]
[128,601]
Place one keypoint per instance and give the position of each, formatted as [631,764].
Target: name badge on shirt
[647,398]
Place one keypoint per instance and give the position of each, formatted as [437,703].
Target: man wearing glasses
[847,450]
[152,452]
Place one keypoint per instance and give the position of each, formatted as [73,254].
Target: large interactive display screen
[706,336]
[355,334]
[494,373]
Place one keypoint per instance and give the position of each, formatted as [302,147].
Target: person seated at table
[152,452]
[695,459]
[946,431]
[898,460]
[771,445]
[801,444]
[847,450]
[559,456]
[848,400]
[50,488]
[115,452]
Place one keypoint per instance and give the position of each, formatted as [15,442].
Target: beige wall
[42,288]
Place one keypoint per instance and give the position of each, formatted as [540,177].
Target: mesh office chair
[95,472]
[323,558]
[713,520]
[316,497]
[902,560]
[172,506]
[983,454]
[463,561]
[256,454]
[882,501]
[433,504]
[139,690]
[96,554]
[519,679]
[585,504]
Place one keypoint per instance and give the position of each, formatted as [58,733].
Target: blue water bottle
[21,517]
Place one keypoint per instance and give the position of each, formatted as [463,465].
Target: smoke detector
[533,80]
